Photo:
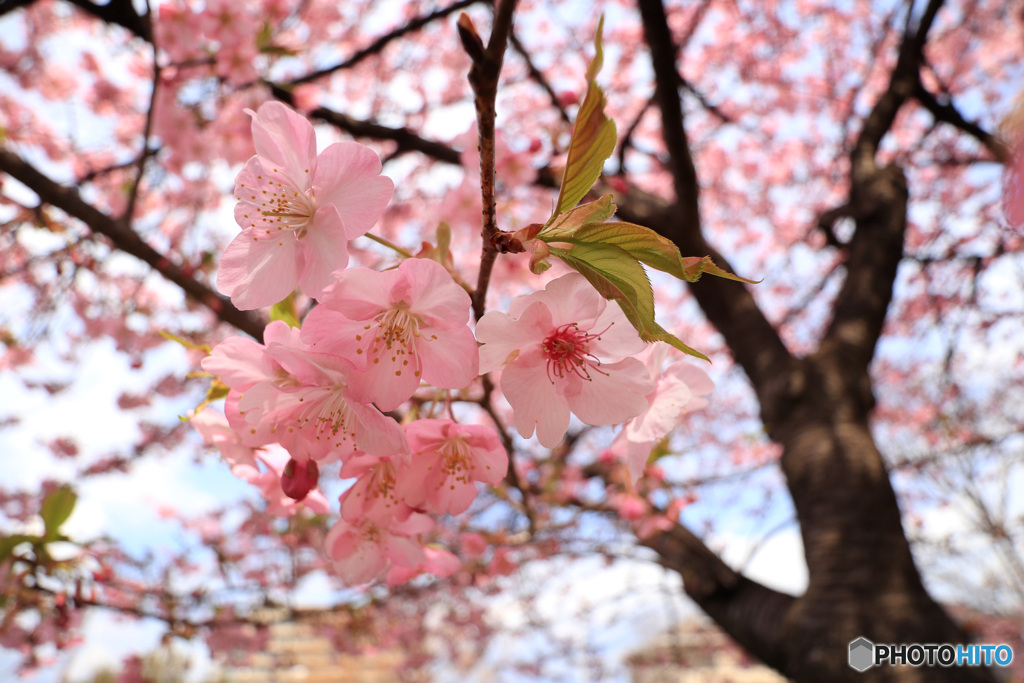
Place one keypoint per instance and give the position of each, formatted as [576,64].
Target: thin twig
[483,78]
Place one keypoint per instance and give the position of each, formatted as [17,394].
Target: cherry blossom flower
[374,493]
[312,412]
[678,390]
[447,460]
[297,210]
[361,550]
[398,326]
[560,350]
[283,392]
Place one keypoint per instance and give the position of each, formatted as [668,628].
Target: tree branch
[406,140]
[378,45]
[728,305]
[947,113]
[483,77]
[539,77]
[748,611]
[878,203]
[124,238]
[905,77]
[120,12]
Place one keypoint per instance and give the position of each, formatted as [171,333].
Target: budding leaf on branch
[608,254]
[56,509]
[593,139]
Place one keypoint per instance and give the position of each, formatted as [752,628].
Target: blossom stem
[401,251]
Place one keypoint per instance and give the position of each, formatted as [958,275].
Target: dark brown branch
[147,130]
[748,611]
[11,5]
[904,79]
[121,13]
[878,203]
[124,238]
[378,45]
[483,77]
[728,305]
[539,77]
[405,139]
[947,113]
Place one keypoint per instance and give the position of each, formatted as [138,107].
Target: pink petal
[286,142]
[503,337]
[348,176]
[404,551]
[535,400]
[616,337]
[613,397]
[695,378]
[327,331]
[361,293]
[572,299]
[388,379]
[257,273]
[239,362]
[433,294]
[379,435]
[324,251]
[450,358]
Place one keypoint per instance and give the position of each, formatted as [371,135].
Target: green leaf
[593,139]
[567,223]
[654,250]
[695,266]
[641,243]
[56,509]
[9,543]
[619,277]
[285,310]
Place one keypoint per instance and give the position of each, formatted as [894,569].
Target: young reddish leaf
[593,139]
[56,509]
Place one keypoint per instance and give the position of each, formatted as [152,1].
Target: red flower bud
[299,478]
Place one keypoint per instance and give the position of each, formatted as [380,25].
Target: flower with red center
[565,350]
[398,327]
[298,210]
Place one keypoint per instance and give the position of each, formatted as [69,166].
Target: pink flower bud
[299,478]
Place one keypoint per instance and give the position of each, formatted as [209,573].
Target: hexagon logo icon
[862,654]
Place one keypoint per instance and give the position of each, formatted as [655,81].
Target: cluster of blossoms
[321,394]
